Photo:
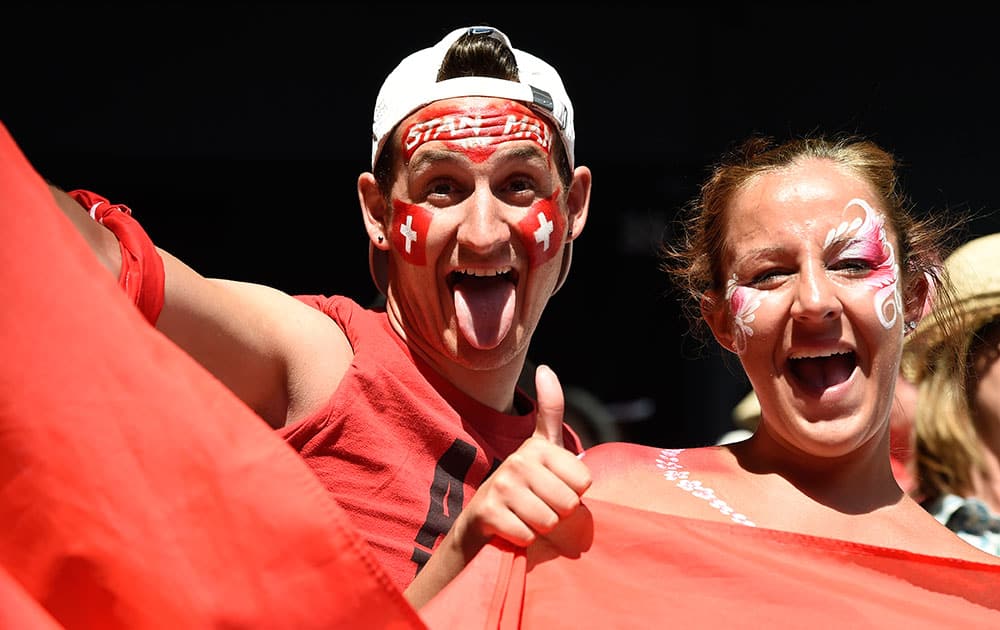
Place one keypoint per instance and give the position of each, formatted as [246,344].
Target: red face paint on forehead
[476,130]
[542,230]
[409,231]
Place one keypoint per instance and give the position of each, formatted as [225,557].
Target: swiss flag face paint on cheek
[409,231]
[542,230]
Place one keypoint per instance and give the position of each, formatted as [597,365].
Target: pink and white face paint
[869,244]
[743,303]
[860,238]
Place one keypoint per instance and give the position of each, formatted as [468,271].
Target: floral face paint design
[476,131]
[743,303]
[867,242]
[858,242]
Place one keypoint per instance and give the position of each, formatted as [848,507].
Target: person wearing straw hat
[409,412]
[958,416]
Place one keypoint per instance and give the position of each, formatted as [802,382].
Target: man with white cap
[405,412]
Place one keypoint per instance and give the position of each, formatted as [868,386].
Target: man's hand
[535,488]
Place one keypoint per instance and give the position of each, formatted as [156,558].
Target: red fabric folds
[643,569]
[135,490]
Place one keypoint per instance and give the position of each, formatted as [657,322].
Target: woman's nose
[816,296]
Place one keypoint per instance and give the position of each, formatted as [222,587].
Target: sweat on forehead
[475,125]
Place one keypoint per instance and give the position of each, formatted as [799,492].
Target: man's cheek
[542,230]
[410,224]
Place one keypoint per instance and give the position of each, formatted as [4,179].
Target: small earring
[380,238]
[909,327]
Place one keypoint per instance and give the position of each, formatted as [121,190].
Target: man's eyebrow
[526,152]
[432,156]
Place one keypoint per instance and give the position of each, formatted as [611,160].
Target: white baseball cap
[413,84]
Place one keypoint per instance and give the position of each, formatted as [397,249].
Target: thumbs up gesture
[537,485]
[527,496]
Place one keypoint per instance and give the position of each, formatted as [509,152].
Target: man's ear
[374,211]
[578,202]
[716,315]
[577,207]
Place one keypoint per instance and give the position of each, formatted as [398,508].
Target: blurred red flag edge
[135,490]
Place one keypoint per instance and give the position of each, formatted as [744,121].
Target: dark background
[236,133]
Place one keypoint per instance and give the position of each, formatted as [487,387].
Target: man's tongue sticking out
[485,310]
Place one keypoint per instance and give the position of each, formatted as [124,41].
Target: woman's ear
[374,211]
[919,298]
[716,315]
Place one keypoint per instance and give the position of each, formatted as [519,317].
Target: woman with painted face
[806,261]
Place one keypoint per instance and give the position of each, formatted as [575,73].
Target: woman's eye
[769,277]
[856,265]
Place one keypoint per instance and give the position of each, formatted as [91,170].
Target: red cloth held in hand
[136,491]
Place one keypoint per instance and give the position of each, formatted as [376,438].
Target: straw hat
[974,273]
[746,413]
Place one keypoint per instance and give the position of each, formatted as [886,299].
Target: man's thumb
[551,405]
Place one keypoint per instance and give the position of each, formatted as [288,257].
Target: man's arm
[101,241]
[280,356]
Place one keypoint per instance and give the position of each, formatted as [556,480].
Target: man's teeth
[481,273]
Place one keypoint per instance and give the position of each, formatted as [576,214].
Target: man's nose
[483,227]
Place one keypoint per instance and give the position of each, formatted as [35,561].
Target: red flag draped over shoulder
[640,569]
[135,490]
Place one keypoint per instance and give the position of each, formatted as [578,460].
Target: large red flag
[640,569]
[135,490]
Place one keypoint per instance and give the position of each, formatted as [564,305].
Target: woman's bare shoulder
[609,459]
[617,457]
[636,475]
[620,470]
